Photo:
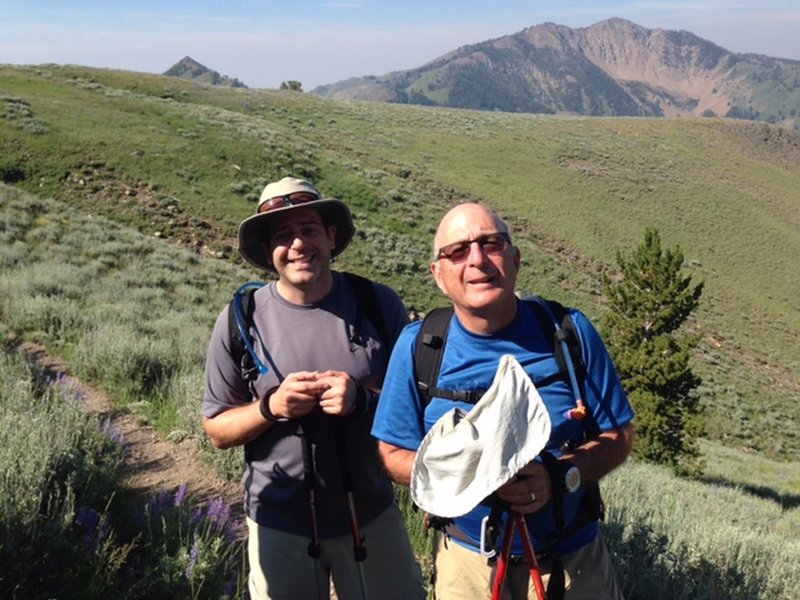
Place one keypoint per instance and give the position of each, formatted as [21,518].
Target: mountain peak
[612,68]
[189,68]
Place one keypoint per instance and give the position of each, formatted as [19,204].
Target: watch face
[572,479]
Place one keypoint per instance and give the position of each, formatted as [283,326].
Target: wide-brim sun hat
[466,456]
[279,197]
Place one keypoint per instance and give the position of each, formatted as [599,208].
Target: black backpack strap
[550,313]
[240,316]
[554,320]
[429,350]
[368,305]
[566,345]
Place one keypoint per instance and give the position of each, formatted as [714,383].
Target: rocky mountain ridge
[612,68]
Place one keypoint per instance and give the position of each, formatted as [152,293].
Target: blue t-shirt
[469,363]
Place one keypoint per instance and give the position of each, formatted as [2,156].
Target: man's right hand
[296,396]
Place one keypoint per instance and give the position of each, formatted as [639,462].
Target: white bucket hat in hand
[468,455]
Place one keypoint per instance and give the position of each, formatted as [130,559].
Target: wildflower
[113,433]
[218,512]
[155,505]
[87,518]
[180,494]
[193,554]
[95,528]
[61,387]
[232,531]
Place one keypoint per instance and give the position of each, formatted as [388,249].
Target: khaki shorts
[461,574]
[281,569]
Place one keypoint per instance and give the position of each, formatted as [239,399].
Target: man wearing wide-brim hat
[313,481]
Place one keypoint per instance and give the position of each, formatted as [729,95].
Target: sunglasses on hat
[287,200]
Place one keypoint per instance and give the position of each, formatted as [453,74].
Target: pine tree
[292,85]
[647,309]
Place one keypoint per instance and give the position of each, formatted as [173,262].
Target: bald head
[464,222]
[479,270]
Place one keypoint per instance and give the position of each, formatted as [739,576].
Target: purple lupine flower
[87,518]
[232,531]
[113,433]
[180,494]
[218,512]
[66,390]
[155,505]
[77,395]
[193,554]
[92,526]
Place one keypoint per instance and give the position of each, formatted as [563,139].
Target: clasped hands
[301,392]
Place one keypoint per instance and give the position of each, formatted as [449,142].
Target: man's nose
[476,255]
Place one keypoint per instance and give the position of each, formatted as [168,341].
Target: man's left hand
[529,490]
[340,395]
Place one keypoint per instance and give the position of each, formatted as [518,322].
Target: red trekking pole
[517,521]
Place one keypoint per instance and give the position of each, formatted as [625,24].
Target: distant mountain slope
[612,68]
[188,68]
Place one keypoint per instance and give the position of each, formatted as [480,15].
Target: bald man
[475,265]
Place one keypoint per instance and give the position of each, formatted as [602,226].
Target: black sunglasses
[491,243]
[287,200]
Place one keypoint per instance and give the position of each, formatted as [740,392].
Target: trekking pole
[309,478]
[359,549]
[502,562]
[517,520]
[533,566]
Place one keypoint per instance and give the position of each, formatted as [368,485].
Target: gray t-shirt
[317,337]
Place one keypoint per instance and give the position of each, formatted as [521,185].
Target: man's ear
[332,234]
[437,276]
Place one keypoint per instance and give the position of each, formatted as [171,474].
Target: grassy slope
[576,189]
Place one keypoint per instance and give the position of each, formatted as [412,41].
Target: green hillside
[184,162]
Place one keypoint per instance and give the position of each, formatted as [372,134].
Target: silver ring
[533,497]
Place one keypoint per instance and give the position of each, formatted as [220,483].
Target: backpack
[565,344]
[553,319]
[240,318]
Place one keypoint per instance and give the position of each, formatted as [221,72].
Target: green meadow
[121,199]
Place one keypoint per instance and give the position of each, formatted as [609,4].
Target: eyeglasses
[492,243]
[287,200]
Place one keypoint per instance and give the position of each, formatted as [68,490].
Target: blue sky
[265,42]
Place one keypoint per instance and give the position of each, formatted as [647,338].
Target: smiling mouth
[306,259]
[481,281]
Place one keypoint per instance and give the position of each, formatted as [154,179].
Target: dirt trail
[152,464]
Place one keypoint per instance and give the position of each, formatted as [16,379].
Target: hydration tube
[238,313]
[578,412]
